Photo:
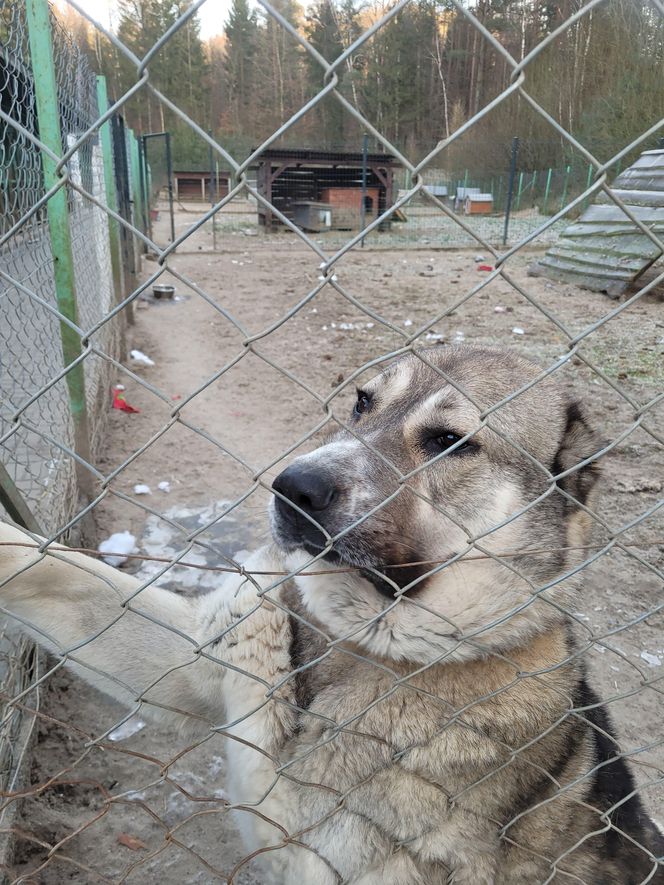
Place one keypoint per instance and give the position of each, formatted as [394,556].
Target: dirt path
[227,438]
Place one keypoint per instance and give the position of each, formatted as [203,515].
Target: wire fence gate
[326,762]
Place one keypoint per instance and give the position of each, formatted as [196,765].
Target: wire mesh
[333,742]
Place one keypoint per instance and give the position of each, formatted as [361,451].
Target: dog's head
[445,447]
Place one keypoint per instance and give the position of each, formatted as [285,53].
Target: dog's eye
[363,403]
[445,440]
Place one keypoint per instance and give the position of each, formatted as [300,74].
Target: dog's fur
[395,723]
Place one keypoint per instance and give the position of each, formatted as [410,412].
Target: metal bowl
[162,290]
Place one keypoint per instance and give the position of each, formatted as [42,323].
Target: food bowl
[162,290]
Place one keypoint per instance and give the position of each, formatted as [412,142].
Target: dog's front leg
[132,643]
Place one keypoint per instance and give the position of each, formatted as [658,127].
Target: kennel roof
[604,250]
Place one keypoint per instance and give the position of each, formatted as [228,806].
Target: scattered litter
[613,667]
[479,258]
[178,298]
[141,489]
[164,486]
[131,842]
[459,336]
[132,726]
[121,543]
[581,615]
[487,268]
[348,326]
[499,309]
[408,323]
[434,336]
[651,660]
[518,330]
[139,357]
[119,401]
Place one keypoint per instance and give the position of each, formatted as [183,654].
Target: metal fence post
[169,173]
[563,200]
[510,187]
[46,97]
[547,189]
[111,195]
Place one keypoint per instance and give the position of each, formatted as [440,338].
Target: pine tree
[240,54]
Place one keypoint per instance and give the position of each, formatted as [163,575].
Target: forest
[416,80]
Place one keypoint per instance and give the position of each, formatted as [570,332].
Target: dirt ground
[231,436]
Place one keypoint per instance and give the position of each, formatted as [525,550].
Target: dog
[397,678]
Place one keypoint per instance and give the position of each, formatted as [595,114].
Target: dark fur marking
[580,482]
[609,784]
[304,694]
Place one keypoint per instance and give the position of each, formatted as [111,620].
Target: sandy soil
[213,440]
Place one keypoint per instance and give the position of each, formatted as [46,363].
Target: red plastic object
[485,267]
[119,401]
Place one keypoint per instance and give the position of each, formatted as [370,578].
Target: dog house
[195,185]
[478,204]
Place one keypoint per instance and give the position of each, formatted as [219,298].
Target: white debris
[139,357]
[499,309]
[408,323]
[434,336]
[518,330]
[164,486]
[651,660]
[370,325]
[121,543]
[479,258]
[324,328]
[141,489]
[132,726]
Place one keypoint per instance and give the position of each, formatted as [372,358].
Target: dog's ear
[579,442]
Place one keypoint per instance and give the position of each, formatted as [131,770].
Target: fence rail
[89,223]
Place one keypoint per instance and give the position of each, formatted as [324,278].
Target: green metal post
[465,183]
[588,182]
[547,190]
[568,169]
[519,192]
[111,196]
[46,96]
[533,186]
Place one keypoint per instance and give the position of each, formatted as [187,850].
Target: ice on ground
[651,660]
[132,726]
[121,543]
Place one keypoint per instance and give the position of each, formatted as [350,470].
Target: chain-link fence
[403,689]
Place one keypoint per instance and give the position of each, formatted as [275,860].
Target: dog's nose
[308,488]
